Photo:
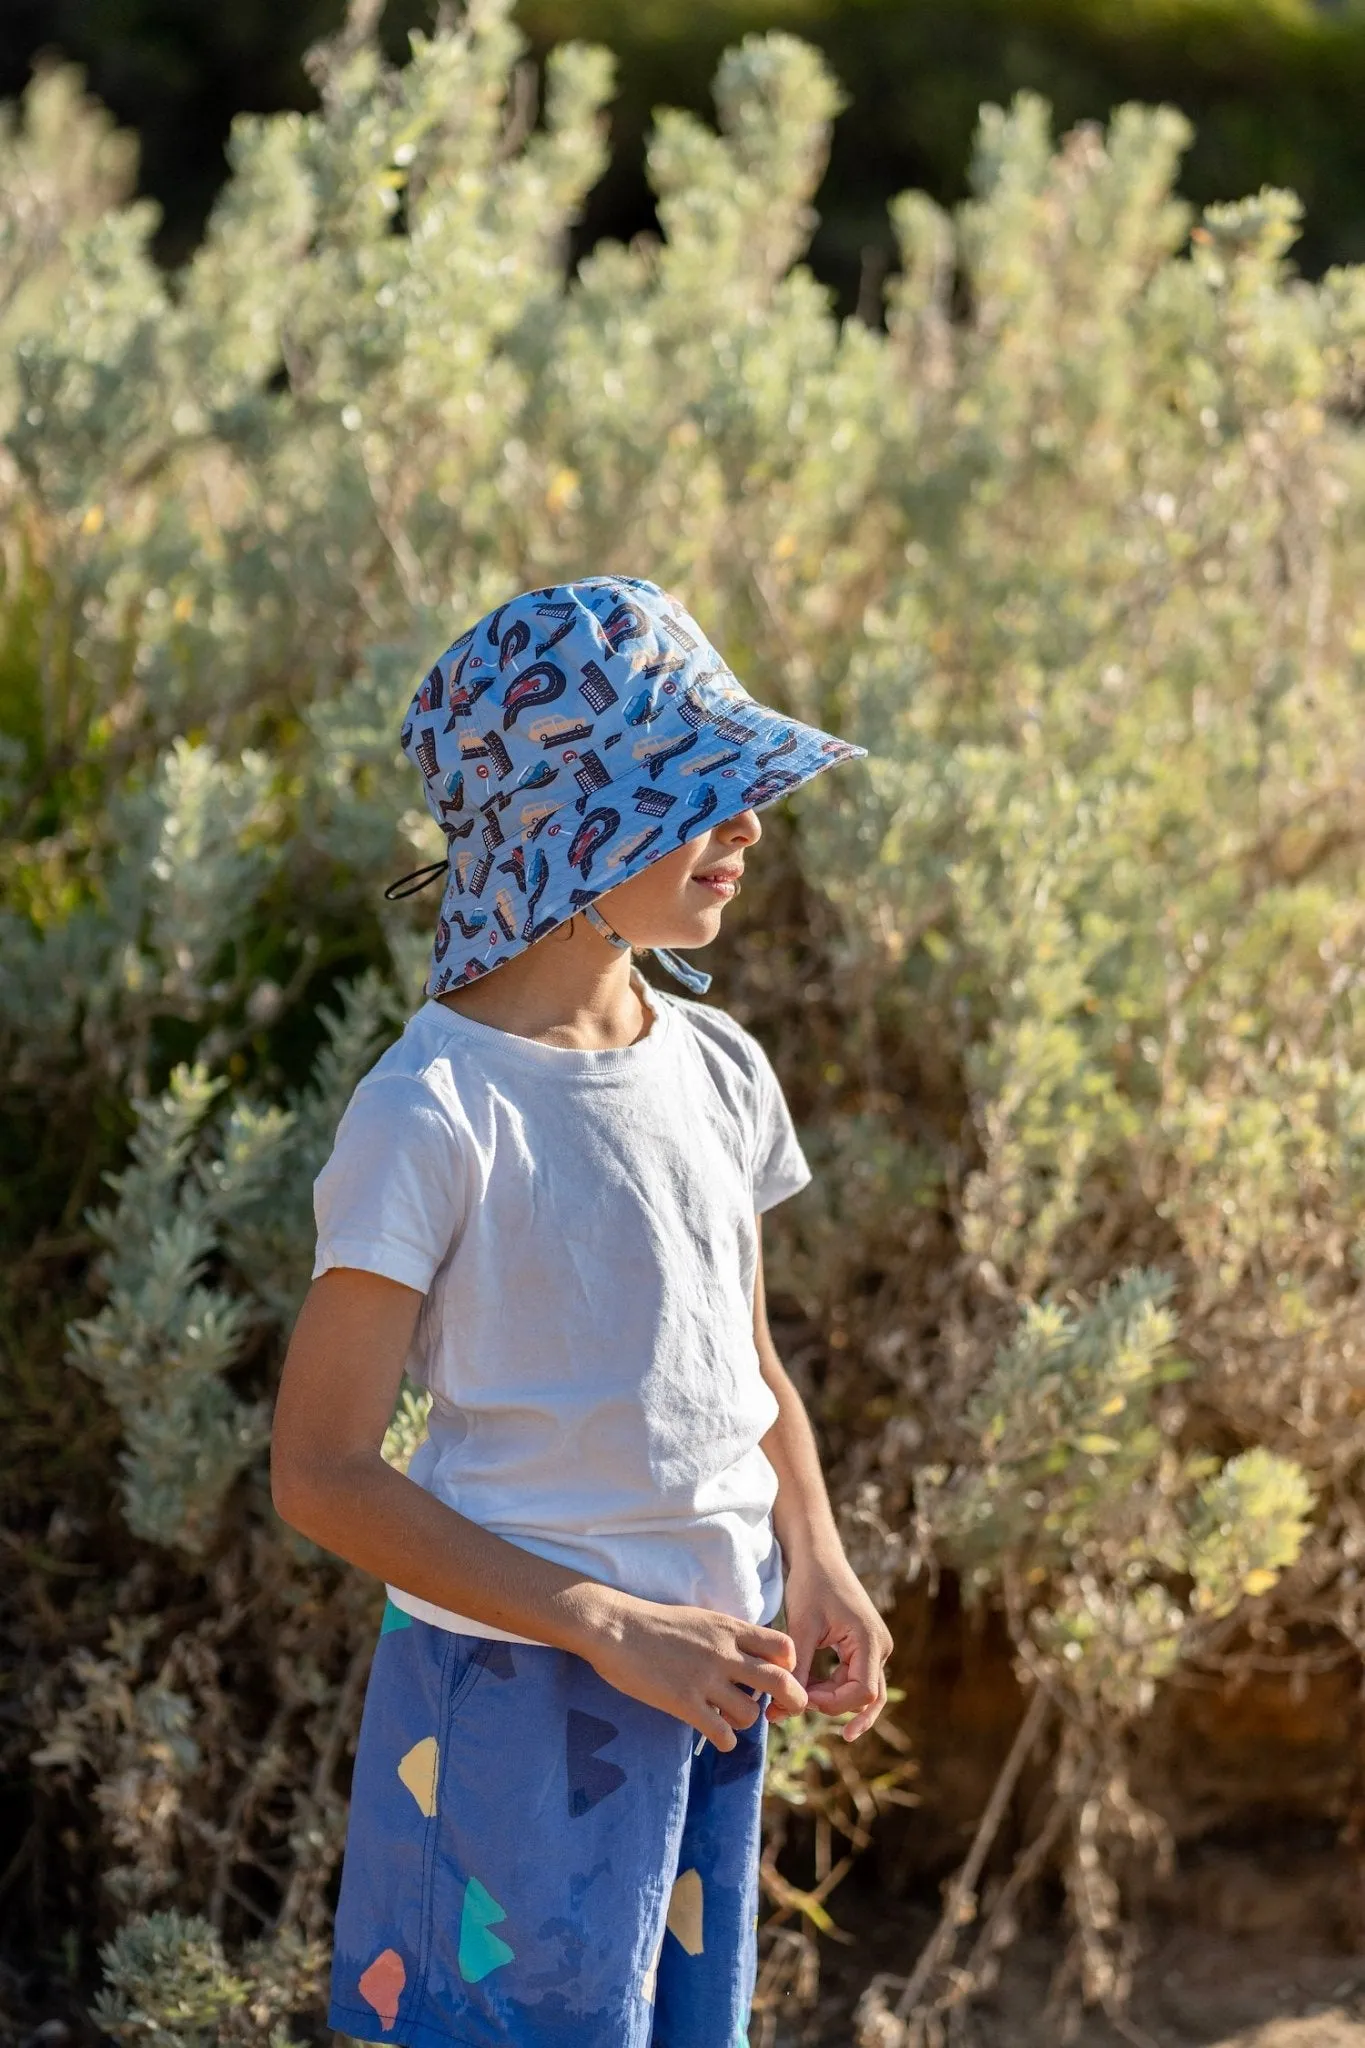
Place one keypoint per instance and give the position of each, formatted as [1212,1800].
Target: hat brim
[674,789]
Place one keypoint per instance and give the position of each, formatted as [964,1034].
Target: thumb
[807,1635]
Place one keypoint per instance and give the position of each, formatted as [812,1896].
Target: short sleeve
[391,1197]
[780,1168]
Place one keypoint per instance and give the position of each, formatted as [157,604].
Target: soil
[1257,1939]
[1194,1989]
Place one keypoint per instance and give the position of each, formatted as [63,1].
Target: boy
[544,1200]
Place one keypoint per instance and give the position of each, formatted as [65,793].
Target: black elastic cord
[396,890]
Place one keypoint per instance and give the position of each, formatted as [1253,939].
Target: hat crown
[570,738]
[540,691]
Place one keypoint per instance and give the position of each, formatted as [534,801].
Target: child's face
[680,899]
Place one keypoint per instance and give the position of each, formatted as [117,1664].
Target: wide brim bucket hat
[570,739]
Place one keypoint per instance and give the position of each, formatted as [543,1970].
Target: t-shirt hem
[394,1262]
[458,1624]
[465,1625]
[780,1190]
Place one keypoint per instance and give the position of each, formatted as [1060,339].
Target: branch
[960,1902]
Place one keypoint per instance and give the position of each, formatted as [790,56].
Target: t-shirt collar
[606,1063]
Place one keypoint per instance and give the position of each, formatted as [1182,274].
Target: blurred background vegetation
[1274,89]
[1066,523]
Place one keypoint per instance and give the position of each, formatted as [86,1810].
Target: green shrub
[1065,982]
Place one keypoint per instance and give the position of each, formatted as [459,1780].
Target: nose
[744,829]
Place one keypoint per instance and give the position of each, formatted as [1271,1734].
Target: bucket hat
[566,741]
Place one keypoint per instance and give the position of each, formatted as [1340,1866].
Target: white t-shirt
[582,1226]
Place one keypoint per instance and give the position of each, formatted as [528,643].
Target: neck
[571,988]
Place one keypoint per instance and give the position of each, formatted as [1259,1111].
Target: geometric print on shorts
[536,1860]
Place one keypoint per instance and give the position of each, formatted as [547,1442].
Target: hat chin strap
[690,977]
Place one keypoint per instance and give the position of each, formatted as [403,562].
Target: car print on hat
[567,740]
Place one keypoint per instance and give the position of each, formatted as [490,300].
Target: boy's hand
[826,1608]
[693,1663]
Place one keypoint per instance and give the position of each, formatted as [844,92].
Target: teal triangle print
[480,1949]
[394,1617]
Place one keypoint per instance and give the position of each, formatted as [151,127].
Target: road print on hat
[568,740]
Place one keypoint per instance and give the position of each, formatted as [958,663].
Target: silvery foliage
[165,1339]
[1071,546]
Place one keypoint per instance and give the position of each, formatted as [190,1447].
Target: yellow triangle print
[684,1911]
[418,1772]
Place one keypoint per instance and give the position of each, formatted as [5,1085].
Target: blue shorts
[536,1860]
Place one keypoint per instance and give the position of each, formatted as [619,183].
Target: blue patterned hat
[568,740]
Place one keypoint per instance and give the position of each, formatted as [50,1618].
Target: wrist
[813,1546]
[594,1617]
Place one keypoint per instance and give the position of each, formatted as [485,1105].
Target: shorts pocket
[463,1661]
[421,1679]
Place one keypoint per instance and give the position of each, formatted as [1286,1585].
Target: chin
[699,932]
[696,929]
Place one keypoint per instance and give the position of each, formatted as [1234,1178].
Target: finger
[714,1725]
[860,1723]
[841,1696]
[864,1717]
[740,1708]
[845,1690]
[808,1640]
[771,1645]
[858,1677]
[867,1658]
[788,1694]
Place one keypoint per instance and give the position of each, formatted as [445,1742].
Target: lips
[722,881]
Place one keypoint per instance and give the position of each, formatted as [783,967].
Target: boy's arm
[826,1607]
[329,1479]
